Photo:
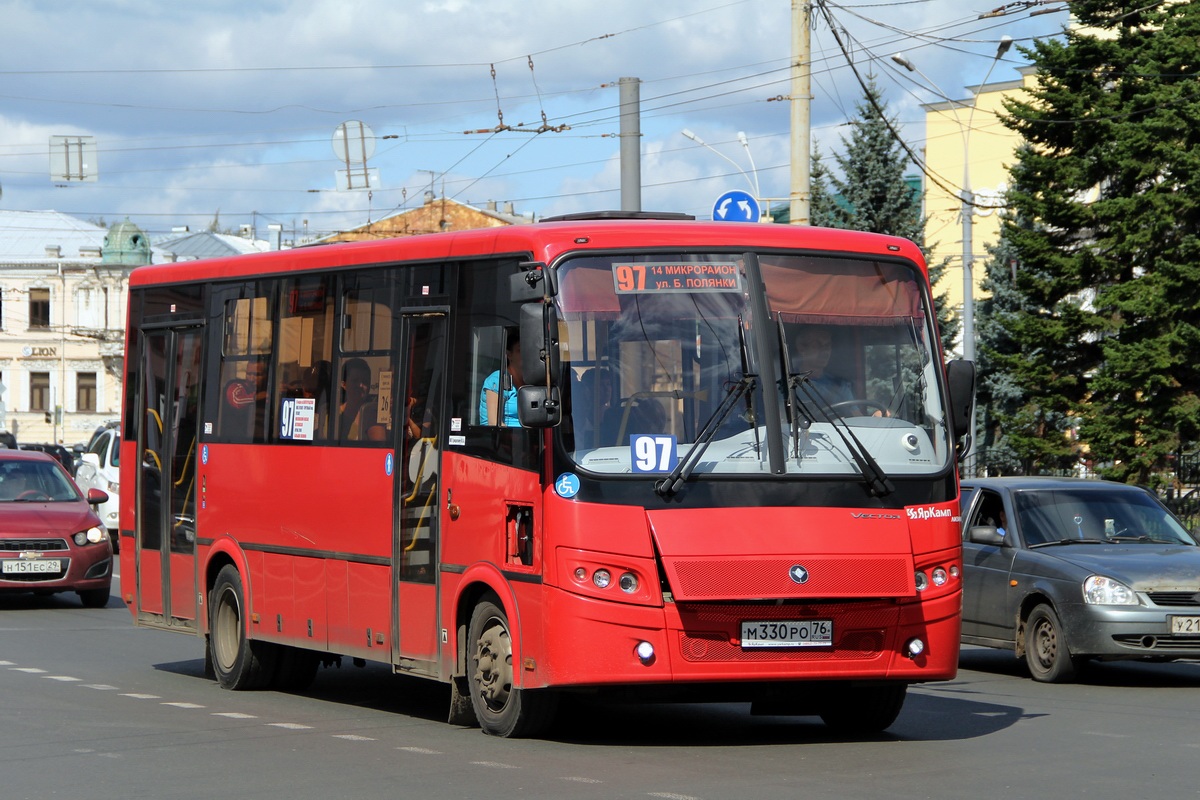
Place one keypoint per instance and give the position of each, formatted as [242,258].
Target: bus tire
[238,662]
[502,709]
[863,710]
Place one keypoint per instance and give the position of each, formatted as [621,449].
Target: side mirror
[91,458]
[539,344]
[96,496]
[538,406]
[960,379]
[986,534]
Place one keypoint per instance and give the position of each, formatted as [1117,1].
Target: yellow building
[968,130]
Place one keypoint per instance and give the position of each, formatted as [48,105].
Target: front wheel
[94,598]
[863,710]
[1046,652]
[238,662]
[501,708]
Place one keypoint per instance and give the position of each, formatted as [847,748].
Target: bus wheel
[502,709]
[238,662]
[863,710]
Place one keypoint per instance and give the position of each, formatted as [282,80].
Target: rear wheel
[238,662]
[863,710]
[1046,653]
[501,708]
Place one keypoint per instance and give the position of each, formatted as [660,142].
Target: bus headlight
[602,578]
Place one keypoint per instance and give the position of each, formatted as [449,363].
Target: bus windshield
[664,363]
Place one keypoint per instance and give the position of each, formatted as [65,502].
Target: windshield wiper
[1057,542]
[744,387]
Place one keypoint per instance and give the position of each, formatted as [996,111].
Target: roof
[206,244]
[1019,482]
[25,235]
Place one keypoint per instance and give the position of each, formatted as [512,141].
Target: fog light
[954,571]
[939,576]
[922,581]
[645,653]
[628,582]
[914,648]
[580,574]
[602,578]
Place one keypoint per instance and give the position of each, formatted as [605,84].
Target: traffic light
[49,418]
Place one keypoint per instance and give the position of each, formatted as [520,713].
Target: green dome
[126,243]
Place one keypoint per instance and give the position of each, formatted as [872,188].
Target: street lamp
[968,203]
[746,144]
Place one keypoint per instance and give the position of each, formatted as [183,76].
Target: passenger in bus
[356,395]
[634,415]
[244,417]
[591,400]
[490,397]
[314,383]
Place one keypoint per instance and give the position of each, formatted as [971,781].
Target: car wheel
[238,662]
[864,710]
[501,708]
[94,598]
[1046,652]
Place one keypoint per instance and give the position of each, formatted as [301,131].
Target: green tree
[1110,264]
[872,192]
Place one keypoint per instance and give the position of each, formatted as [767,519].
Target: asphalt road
[92,708]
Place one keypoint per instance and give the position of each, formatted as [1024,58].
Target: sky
[227,111]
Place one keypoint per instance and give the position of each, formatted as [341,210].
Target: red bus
[693,460]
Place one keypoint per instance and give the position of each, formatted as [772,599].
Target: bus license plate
[23,567]
[1185,626]
[788,633]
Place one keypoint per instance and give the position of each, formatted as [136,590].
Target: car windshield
[664,365]
[34,481]
[1111,514]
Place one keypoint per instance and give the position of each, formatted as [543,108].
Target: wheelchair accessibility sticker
[567,485]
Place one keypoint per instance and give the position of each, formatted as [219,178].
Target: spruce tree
[1109,262]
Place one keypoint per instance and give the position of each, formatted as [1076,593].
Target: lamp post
[746,144]
[968,203]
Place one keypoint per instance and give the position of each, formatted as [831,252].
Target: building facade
[63,289]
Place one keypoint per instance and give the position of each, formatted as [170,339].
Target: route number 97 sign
[652,453]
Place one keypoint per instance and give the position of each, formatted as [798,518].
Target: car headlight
[1100,590]
[114,487]
[91,535]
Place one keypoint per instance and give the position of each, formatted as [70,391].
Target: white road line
[672,796]
[582,780]
[350,737]
[234,715]
[494,764]
[7,664]
[292,726]
[139,696]
[104,687]
[425,751]
[182,705]
[63,678]
[30,670]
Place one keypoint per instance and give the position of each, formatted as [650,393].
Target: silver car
[1063,570]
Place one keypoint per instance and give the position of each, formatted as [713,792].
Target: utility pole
[801,193]
[631,144]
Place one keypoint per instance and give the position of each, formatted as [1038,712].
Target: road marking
[7,664]
[183,705]
[425,751]
[582,780]
[63,678]
[234,715]
[138,696]
[104,687]
[292,726]
[350,737]
[494,764]
[672,796]
[30,670]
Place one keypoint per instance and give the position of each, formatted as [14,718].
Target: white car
[100,468]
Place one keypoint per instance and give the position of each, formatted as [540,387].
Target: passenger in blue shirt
[490,397]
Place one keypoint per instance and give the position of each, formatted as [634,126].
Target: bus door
[166,493]
[419,399]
